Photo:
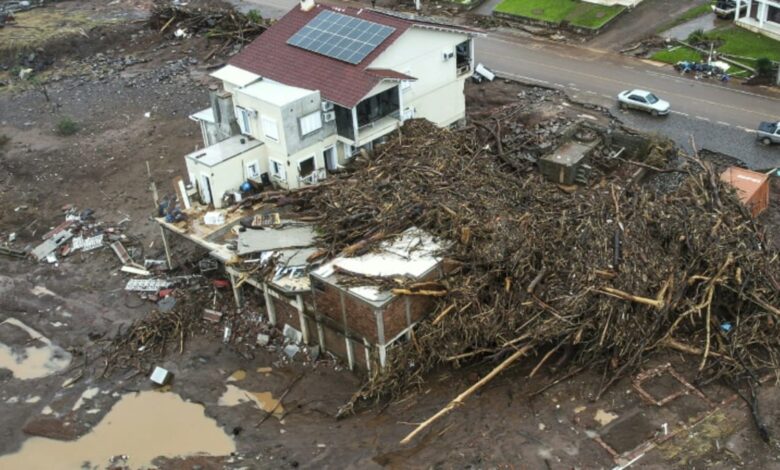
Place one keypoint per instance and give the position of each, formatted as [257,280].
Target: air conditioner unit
[329,116]
[447,55]
[326,106]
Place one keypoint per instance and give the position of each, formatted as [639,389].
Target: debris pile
[599,277]
[219,23]
[80,231]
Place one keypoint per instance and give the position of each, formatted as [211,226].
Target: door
[331,162]
[638,102]
[205,188]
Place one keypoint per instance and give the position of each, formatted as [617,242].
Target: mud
[32,355]
[81,303]
[138,429]
[263,400]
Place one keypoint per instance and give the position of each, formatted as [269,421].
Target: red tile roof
[342,83]
[390,74]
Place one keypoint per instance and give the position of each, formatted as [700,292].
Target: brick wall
[360,315]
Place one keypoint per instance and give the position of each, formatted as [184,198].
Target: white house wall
[437,94]
[229,175]
[275,147]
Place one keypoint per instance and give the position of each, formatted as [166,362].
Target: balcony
[376,129]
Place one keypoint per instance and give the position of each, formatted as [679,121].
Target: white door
[205,188]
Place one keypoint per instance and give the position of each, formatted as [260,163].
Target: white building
[320,84]
[760,16]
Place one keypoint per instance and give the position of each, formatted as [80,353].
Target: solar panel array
[341,37]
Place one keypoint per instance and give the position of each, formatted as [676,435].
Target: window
[636,98]
[310,123]
[242,116]
[269,128]
[306,167]
[278,170]
[252,169]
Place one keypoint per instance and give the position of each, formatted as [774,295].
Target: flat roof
[570,153]
[204,115]
[223,151]
[413,254]
[275,93]
[235,75]
[290,236]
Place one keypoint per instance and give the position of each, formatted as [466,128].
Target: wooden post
[462,397]
[167,250]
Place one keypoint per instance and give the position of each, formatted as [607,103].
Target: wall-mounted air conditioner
[326,106]
[329,116]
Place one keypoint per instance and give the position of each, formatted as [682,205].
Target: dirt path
[640,23]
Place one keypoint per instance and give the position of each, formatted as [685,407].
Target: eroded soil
[80,302]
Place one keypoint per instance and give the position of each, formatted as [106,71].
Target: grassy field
[738,41]
[688,15]
[581,14]
[734,40]
[676,55]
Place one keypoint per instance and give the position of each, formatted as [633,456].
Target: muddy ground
[80,302]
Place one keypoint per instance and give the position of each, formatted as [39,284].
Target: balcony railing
[315,177]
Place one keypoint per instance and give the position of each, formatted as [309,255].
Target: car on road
[768,133]
[644,101]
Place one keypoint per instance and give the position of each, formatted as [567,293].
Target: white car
[645,101]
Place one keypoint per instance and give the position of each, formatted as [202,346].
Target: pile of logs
[604,276]
[223,24]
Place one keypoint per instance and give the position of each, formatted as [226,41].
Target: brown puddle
[237,376]
[263,400]
[30,355]
[142,427]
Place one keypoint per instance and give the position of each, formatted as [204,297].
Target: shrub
[4,139]
[254,16]
[697,37]
[67,126]
[764,67]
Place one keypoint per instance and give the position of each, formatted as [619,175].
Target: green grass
[676,55]
[735,41]
[688,15]
[581,14]
[738,41]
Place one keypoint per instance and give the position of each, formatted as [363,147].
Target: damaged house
[319,85]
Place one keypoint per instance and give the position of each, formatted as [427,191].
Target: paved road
[720,117]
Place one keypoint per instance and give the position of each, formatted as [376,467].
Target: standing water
[141,426]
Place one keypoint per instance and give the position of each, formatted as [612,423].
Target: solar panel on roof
[341,37]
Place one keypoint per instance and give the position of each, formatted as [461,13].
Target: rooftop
[223,151]
[271,56]
[413,254]
[274,92]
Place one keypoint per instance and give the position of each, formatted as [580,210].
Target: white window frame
[250,164]
[270,129]
[280,175]
[244,122]
[310,123]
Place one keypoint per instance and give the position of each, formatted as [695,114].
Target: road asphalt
[721,117]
